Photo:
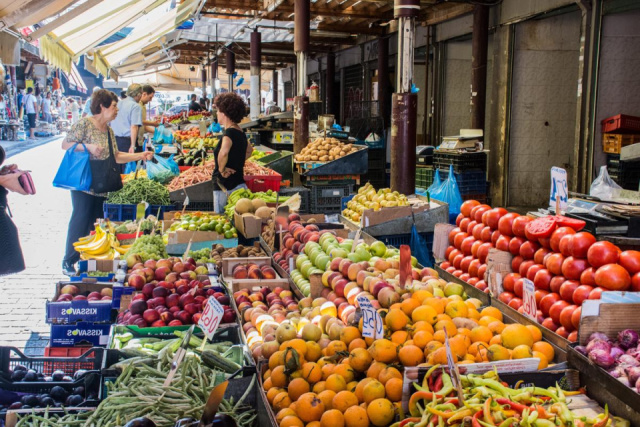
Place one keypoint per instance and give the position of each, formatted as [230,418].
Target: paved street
[42,222]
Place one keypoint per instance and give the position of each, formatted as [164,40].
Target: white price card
[211,316]
[453,368]
[529,300]
[559,189]
[372,326]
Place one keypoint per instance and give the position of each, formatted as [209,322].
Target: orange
[344,400]
[360,388]
[375,369]
[383,350]
[516,334]
[432,346]
[274,360]
[278,377]
[422,326]
[396,319]
[497,352]
[439,336]
[291,421]
[485,320]
[327,370]
[481,334]
[314,424]
[425,313]
[348,334]
[298,344]
[335,347]
[473,314]
[272,393]
[266,374]
[422,338]
[314,351]
[421,295]
[456,309]
[544,348]
[356,416]
[327,398]
[493,312]
[464,331]
[332,418]
[521,352]
[373,390]
[543,359]
[357,343]
[297,388]
[447,325]
[439,356]
[319,387]
[388,373]
[352,386]
[475,347]
[360,359]
[309,407]
[535,332]
[411,355]
[497,339]
[267,384]
[399,337]
[408,305]
[311,372]
[345,371]
[440,317]
[281,401]
[438,304]
[459,345]
[336,383]
[497,326]
[381,412]
[285,413]
[393,389]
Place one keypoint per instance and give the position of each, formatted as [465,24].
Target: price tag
[453,368]
[292,265]
[141,210]
[372,326]
[498,266]
[211,316]
[529,300]
[559,189]
[356,239]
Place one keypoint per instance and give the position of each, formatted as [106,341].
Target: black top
[194,106]
[11,260]
[235,161]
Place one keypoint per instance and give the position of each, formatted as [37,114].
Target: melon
[244,206]
[263,212]
[257,204]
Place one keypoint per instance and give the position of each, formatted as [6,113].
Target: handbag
[26,182]
[74,172]
[106,173]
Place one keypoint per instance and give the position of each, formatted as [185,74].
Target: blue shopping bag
[131,167]
[74,172]
[420,248]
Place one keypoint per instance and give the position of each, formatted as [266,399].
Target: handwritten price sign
[211,316]
[371,321]
[529,300]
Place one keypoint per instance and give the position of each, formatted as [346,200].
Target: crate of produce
[328,198]
[612,143]
[263,182]
[621,123]
[202,192]
[305,195]
[461,161]
[424,177]
[116,212]
[69,306]
[81,333]
[69,361]
[228,332]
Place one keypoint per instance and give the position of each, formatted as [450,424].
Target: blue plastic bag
[434,188]
[214,127]
[74,172]
[450,194]
[420,248]
[163,135]
[162,170]
[131,167]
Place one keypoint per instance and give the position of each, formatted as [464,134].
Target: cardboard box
[248,226]
[609,319]
[96,334]
[183,236]
[235,285]
[82,310]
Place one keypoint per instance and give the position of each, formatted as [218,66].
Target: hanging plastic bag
[215,127]
[420,248]
[162,170]
[434,188]
[450,194]
[163,135]
[130,168]
[74,172]
[603,187]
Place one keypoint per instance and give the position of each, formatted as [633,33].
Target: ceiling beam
[288,8]
[444,12]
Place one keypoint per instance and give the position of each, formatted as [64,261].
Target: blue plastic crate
[469,182]
[345,200]
[115,212]
[153,210]
[396,240]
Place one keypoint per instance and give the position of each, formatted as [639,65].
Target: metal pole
[479,44]
[383,79]
[330,83]
[404,109]
[203,77]
[274,86]
[301,102]
[214,77]
[255,75]
[231,67]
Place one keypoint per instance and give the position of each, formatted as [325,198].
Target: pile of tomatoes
[566,265]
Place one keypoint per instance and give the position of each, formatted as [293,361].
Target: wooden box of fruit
[246,273]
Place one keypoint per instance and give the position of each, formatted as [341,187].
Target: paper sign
[186,201]
[372,326]
[211,316]
[355,240]
[559,188]
[453,369]
[529,300]
[441,240]
[495,284]
[498,266]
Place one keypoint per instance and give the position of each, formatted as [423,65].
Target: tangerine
[360,388]
[544,348]
[344,400]
[311,372]
[393,389]
[396,319]
[336,383]
[481,334]
[422,338]
[411,355]
[408,305]
[421,325]
[535,332]
[335,347]
[348,334]
[375,369]
[543,359]
[291,421]
[360,359]
[383,350]
[521,352]
[356,416]
[380,412]
[438,304]
[399,337]
[297,388]
[357,343]
[278,377]
[319,387]
[387,373]
[493,312]
[327,398]
[345,371]
[281,401]
[373,390]
[285,413]
[516,334]
[309,407]
[332,418]
[424,313]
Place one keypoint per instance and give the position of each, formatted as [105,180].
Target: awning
[75,80]
[87,30]
[23,13]
[9,49]
[161,82]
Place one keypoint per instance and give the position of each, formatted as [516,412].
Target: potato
[342,153]
[314,158]
[324,158]
[331,158]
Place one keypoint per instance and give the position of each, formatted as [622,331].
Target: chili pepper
[427,380]
[544,423]
[487,411]
[508,422]
[542,392]
[460,414]
[513,405]
[407,420]
[620,422]
[438,383]
[562,410]
[542,413]
[578,423]
[525,418]
[454,401]
[474,420]
[417,396]
[532,417]
[604,420]
[440,413]
[492,384]
[518,384]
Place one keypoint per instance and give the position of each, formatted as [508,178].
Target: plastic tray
[621,123]
[228,332]
[263,182]
[461,161]
[90,359]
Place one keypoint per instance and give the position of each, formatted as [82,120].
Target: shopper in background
[62,109]
[86,111]
[203,104]
[100,140]
[31,109]
[75,109]
[123,94]
[11,259]
[20,99]
[193,105]
[46,108]
[232,152]
[147,125]
[126,124]
[39,106]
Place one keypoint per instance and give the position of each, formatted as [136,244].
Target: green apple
[322,261]
[414,261]
[363,254]
[453,289]
[300,259]
[306,268]
[338,252]
[378,248]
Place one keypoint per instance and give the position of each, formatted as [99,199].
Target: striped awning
[75,79]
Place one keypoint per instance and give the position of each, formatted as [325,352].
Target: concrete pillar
[274,86]
[330,84]
[404,109]
[383,79]
[255,75]
[231,67]
[301,48]
[479,44]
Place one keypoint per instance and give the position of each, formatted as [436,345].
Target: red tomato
[565,317]
[635,283]
[495,236]
[562,332]
[485,219]
[453,254]
[518,287]
[486,233]
[542,279]
[556,282]
[509,281]
[493,218]
[556,309]
[464,223]
[567,289]
[540,293]
[505,225]
[471,226]
[450,269]
[515,263]
[547,301]
[581,243]
[459,219]
[613,277]
[575,317]
[528,249]
[524,267]
[576,224]
[514,245]
[457,273]
[588,277]
[596,293]
[482,285]
[466,245]
[457,260]
[477,212]
[467,206]
[540,255]
[581,293]
[477,231]
[475,246]
[448,251]
[557,235]
[444,265]
[457,241]
[540,228]
[531,273]
[473,280]
[452,234]
[515,303]
[519,224]
[630,260]
[505,297]
[549,324]
[464,263]
[572,267]
[473,268]
[481,271]
[539,316]
[573,336]
[602,253]
[502,243]
[483,251]
[545,242]
[554,264]
[465,277]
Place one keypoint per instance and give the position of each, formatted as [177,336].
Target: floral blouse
[86,132]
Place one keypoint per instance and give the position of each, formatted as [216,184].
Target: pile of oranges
[357,382]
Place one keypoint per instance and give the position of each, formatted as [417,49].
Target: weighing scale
[424,155]
[598,223]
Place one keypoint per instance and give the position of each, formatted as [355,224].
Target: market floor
[42,223]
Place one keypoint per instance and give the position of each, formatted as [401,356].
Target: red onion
[601,358]
[598,336]
[633,373]
[628,361]
[581,349]
[599,345]
[628,338]
[617,372]
[616,352]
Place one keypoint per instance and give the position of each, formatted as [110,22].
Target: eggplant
[18,375]
[187,422]
[58,394]
[140,422]
[57,375]
[223,420]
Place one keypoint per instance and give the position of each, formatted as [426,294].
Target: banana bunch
[101,245]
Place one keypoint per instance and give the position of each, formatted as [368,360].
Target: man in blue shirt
[86,112]
[126,124]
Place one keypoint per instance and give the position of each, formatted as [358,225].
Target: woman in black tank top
[231,152]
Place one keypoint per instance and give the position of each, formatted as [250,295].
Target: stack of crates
[424,177]
[617,132]
[376,172]
[470,172]
[327,198]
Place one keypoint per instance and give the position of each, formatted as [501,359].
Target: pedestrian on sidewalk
[11,259]
[75,109]
[100,140]
[129,119]
[46,108]
[31,108]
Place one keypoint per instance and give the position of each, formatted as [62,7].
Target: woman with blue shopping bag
[94,135]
